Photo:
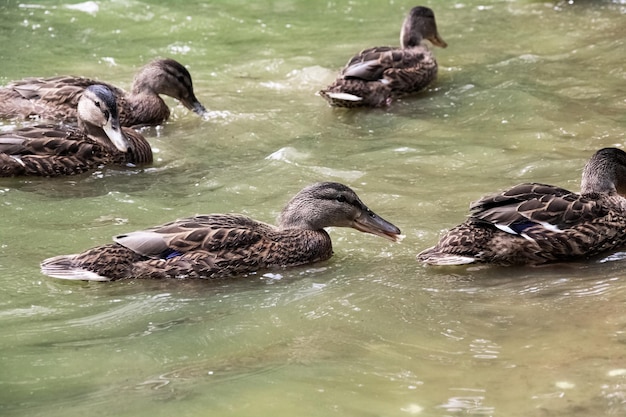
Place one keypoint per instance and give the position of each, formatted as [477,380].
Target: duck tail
[341,99]
[357,93]
[340,96]
[431,256]
[69,267]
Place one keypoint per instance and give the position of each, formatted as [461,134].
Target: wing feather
[216,234]
[531,204]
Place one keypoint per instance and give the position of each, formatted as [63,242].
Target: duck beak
[370,222]
[437,40]
[194,105]
[115,134]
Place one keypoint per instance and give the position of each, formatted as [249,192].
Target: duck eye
[97,103]
[181,79]
[341,199]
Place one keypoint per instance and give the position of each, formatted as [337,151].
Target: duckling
[221,245]
[56,98]
[536,223]
[376,76]
[53,150]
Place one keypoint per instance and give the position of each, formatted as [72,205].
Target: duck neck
[409,38]
[287,220]
[300,214]
[602,176]
[146,108]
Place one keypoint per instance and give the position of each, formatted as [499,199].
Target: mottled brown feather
[378,75]
[220,245]
[54,150]
[56,98]
[538,223]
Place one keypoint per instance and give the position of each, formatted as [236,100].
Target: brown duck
[220,245]
[56,98]
[374,77]
[538,223]
[54,150]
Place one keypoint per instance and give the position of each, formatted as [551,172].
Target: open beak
[370,222]
[115,134]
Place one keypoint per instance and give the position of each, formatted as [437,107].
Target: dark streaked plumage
[56,98]
[219,245]
[377,75]
[538,223]
[53,150]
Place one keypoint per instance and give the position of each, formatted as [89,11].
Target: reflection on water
[527,92]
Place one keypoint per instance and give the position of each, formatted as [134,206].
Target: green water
[527,92]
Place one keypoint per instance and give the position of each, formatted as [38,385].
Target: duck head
[330,204]
[171,78]
[420,24]
[97,113]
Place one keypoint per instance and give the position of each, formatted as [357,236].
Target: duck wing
[370,64]
[48,150]
[215,233]
[62,89]
[220,245]
[139,152]
[44,140]
[532,204]
[391,64]
[48,98]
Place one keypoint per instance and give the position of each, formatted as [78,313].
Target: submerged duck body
[536,223]
[221,245]
[376,76]
[55,150]
[56,98]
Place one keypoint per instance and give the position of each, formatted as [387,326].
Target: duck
[56,98]
[51,150]
[224,245]
[376,76]
[535,224]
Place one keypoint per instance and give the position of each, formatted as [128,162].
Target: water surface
[527,92]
